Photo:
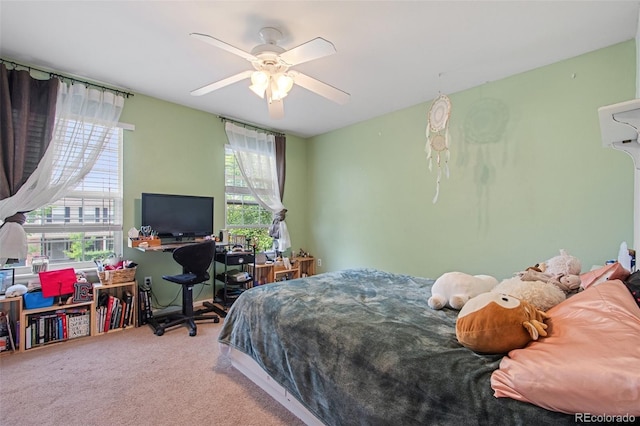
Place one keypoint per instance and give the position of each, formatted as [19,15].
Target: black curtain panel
[281,162]
[27,117]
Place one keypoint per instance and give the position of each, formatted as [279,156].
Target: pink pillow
[613,271]
[589,361]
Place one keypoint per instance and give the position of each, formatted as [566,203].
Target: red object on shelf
[57,283]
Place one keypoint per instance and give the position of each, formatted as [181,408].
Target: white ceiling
[390,54]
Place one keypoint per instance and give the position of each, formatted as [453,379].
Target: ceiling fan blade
[222,45]
[322,89]
[276,109]
[221,83]
[313,49]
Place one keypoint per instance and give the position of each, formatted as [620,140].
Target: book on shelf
[116,312]
[7,341]
[100,314]
[142,317]
[27,337]
[123,313]
[128,300]
[145,312]
[109,313]
[16,334]
[148,305]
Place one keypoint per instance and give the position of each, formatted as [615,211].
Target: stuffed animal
[453,289]
[16,290]
[496,323]
[541,294]
[562,264]
[567,283]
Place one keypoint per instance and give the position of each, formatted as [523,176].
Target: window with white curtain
[242,209]
[87,223]
[243,214]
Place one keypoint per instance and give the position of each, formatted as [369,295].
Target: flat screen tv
[178,216]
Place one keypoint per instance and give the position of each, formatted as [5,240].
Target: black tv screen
[178,215]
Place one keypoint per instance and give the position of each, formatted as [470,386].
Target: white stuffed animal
[541,294]
[16,290]
[563,264]
[454,289]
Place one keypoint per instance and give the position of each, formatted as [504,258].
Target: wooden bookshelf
[51,320]
[12,308]
[300,267]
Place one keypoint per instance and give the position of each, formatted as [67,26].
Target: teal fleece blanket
[362,347]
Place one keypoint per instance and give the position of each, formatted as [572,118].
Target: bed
[361,346]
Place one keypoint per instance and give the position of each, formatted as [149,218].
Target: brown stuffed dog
[497,323]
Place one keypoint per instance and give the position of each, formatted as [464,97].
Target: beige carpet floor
[133,378]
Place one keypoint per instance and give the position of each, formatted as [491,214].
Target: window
[87,223]
[243,214]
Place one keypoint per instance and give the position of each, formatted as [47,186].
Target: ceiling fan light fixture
[281,84]
[258,90]
[260,81]
[260,78]
[271,77]
[284,82]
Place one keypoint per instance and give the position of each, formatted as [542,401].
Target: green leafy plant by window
[259,236]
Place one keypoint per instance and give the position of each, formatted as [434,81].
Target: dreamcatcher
[438,137]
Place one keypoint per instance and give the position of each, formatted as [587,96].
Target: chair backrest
[195,258]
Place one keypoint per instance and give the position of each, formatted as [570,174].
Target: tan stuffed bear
[497,323]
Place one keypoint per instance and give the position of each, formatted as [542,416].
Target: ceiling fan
[272,77]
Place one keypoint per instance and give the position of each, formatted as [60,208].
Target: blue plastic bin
[35,299]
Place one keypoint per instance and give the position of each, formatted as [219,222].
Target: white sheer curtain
[256,156]
[85,118]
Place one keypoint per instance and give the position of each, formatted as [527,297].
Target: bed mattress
[362,347]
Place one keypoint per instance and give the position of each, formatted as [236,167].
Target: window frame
[240,190]
[24,272]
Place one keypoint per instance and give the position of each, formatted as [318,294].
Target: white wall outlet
[147,281]
[319,262]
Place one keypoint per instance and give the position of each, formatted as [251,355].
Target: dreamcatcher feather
[438,138]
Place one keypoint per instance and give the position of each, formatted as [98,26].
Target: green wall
[178,150]
[528,176]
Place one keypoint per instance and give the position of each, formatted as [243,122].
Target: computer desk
[167,247]
[170,247]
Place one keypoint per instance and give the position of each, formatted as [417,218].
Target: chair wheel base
[160,332]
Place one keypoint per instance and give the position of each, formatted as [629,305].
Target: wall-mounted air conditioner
[619,123]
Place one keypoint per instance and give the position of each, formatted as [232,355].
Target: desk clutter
[145,237]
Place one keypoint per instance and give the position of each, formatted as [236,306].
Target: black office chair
[195,260]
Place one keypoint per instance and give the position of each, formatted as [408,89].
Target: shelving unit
[60,323]
[55,324]
[12,307]
[125,292]
[300,267]
[235,271]
[307,265]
